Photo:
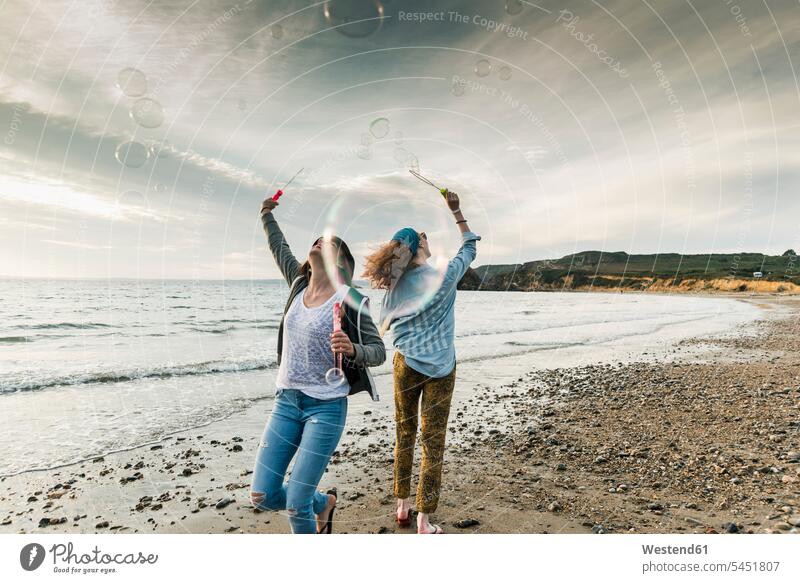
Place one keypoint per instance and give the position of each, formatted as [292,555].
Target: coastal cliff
[619,271]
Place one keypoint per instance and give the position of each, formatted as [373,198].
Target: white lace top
[307,354]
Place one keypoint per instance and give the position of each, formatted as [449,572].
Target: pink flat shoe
[404,522]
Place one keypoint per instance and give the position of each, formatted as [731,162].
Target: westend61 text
[669,550]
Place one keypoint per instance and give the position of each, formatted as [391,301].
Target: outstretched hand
[268,205]
[452,200]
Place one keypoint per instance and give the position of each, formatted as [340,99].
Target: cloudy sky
[139,138]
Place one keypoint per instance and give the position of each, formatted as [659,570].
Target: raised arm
[466,254]
[284,258]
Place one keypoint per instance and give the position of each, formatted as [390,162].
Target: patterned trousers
[413,389]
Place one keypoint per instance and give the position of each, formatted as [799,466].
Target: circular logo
[31,556]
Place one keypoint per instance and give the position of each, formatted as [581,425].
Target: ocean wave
[128,442]
[155,372]
[12,339]
[63,326]
[221,330]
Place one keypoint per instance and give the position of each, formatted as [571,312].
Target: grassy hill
[596,270]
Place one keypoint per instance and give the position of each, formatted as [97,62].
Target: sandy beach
[698,436]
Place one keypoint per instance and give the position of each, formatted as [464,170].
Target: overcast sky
[641,126]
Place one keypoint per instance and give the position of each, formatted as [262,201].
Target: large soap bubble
[483,68]
[504,73]
[132,82]
[147,112]
[277,31]
[514,6]
[132,154]
[354,18]
[335,377]
[350,211]
[364,152]
[379,127]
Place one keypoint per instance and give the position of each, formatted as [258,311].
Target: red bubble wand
[279,193]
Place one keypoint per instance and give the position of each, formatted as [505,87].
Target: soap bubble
[401,155]
[277,31]
[347,213]
[354,18]
[147,112]
[132,198]
[514,6]
[160,149]
[505,73]
[364,152]
[459,87]
[398,138]
[335,377]
[483,68]
[379,127]
[132,82]
[367,139]
[412,162]
[132,154]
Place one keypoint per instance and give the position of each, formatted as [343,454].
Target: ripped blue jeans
[311,428]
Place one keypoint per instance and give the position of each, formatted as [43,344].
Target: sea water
[93,366]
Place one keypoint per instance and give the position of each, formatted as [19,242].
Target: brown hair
[385,265]
[345,264]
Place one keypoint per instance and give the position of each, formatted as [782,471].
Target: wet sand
[703,436]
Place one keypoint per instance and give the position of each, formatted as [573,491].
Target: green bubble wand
[419,176]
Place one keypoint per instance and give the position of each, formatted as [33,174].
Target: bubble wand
[419,176]
[335,375]
[279,193]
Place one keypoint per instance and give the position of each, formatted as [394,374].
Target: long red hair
[385,265]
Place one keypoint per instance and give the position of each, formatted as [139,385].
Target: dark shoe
[328,526]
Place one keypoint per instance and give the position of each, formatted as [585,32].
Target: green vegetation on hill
[619,269]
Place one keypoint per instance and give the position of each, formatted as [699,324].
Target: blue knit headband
[408,237]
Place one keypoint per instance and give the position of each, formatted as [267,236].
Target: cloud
[563,154]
